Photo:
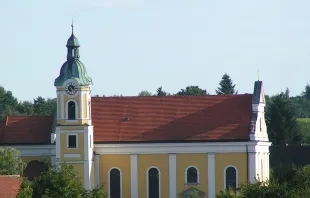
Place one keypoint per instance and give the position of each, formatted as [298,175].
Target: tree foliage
[285,182]
[10,162]
[161,92]
[192,91]
[62,182]
[145,93]
[281,122]
[10,106]
[226,86]
[25,190]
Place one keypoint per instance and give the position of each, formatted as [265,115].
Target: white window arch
[231,177]
[68,117]
[153,181]
[115,177]
[191,175]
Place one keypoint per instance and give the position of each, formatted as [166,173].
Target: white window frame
[67,110]
[121,181]
[77,140]
[198,173]
[225,175]
[147,180]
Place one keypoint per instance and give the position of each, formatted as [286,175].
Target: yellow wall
[58,106]
[77,122]
[161,161]
[64,149]
[120,161]
[28,159]
[222,160]
[79,167]
[198,160]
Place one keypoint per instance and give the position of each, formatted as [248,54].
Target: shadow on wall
[34,169]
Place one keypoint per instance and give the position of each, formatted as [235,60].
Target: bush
[285,182]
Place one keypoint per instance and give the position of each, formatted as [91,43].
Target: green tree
[44,107]
[192,91]
[306,93]
[8,103]
[25,108]
[145,93]
[25,190]
[281,122]
[226,86]
[10,162]
[62,182]
[161,92]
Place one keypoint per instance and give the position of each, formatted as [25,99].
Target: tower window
[72,141]
[72,52]
[71,110]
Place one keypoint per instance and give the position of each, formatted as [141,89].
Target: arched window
[230,177]
[192,175]
[153,183]
[71,110]
[115,183]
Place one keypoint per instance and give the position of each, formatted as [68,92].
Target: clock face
[71,88]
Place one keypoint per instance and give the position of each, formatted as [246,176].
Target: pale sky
[133,45]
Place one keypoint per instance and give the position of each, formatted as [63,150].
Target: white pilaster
[88,156]
[53,160]
[62,108]
[252,167]
[57,145]
[96,171]
[211,175]
[80,116]
[172,176]
[267,166]
[134,175]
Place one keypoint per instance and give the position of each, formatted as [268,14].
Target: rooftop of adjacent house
[9,185]
[148,119]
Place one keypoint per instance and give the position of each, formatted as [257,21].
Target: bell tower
[74,130]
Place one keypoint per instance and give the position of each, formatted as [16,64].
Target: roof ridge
[173,96]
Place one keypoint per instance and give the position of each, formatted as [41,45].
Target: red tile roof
[171,118]
[149,118]
[9,185]
[26,129]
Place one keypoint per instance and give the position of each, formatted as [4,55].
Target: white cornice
[34,150]
[164,148]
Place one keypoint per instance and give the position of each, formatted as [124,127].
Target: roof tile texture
[148,118]
[26,129]
[9,186]
[171,118]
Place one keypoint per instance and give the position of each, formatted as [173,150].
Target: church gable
[192,192]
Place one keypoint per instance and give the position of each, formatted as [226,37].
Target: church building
[145,146]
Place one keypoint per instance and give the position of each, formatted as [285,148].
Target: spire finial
[258,75]
[72,25]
